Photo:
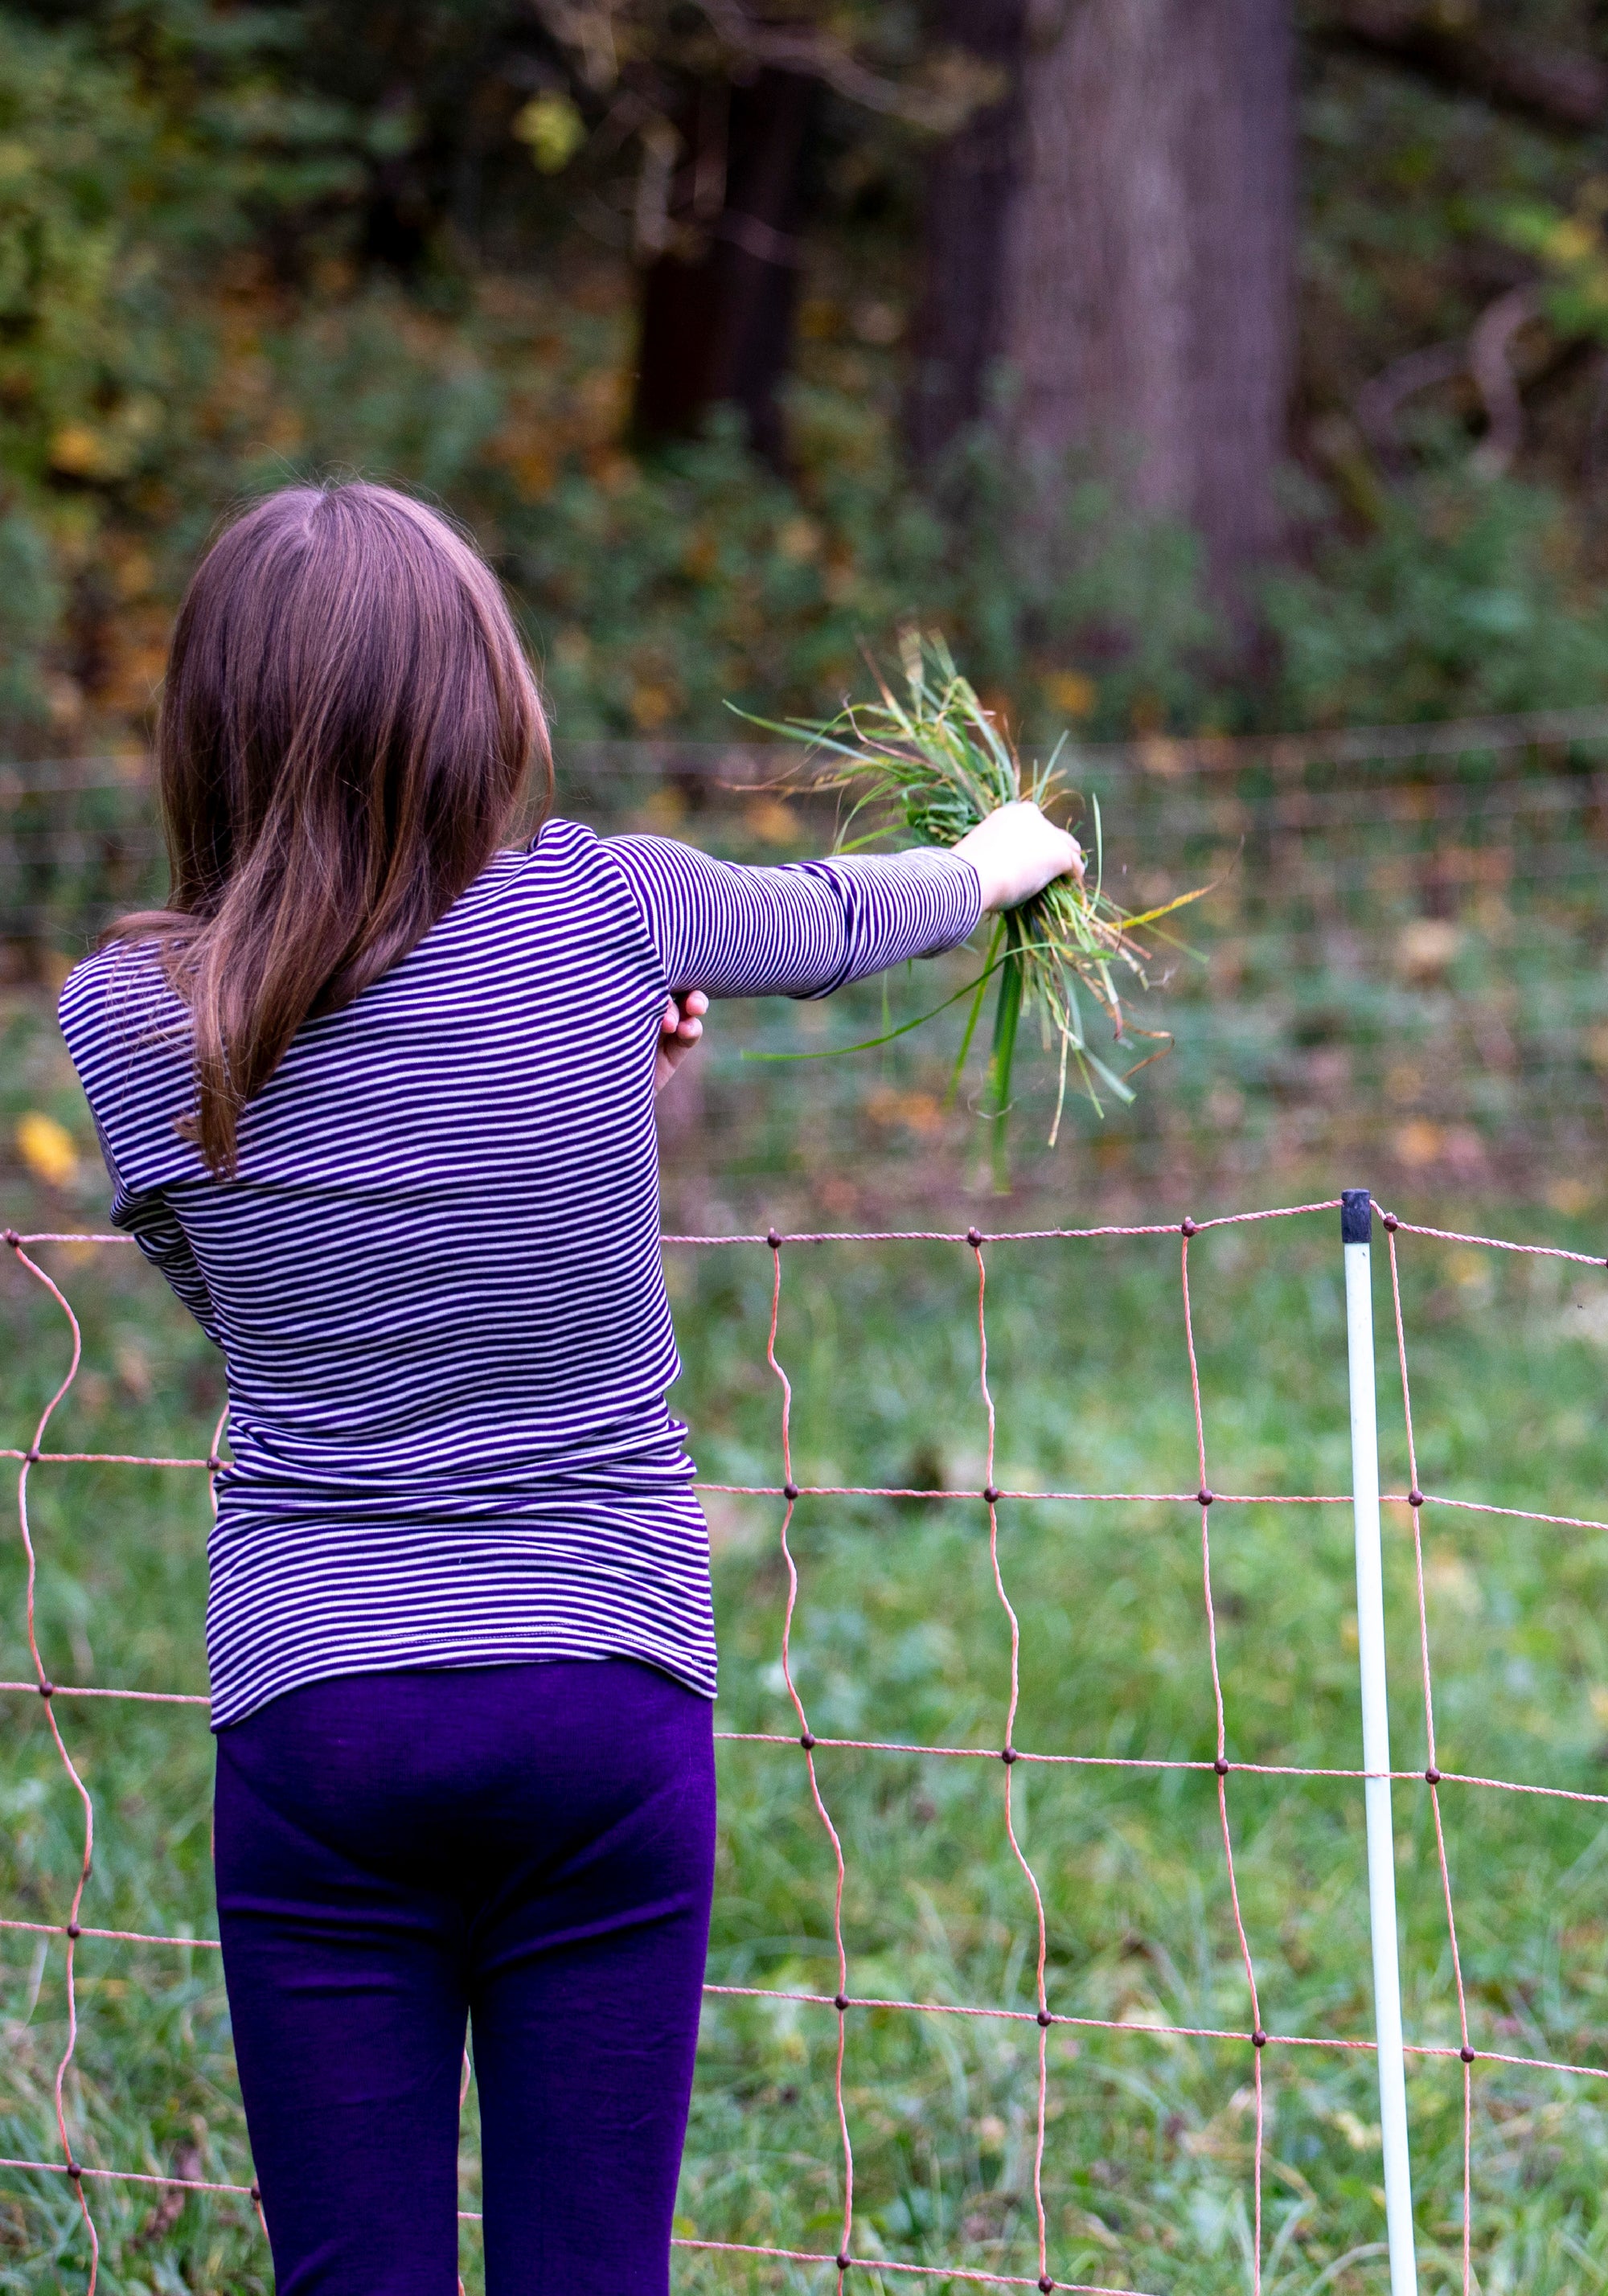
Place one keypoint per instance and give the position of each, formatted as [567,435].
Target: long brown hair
[346,729]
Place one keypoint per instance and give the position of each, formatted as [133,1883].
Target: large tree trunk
[970,182]
[1147,307]
[717,303]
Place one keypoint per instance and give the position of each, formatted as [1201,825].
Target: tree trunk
[1147,317]
[970,180]
[717,303]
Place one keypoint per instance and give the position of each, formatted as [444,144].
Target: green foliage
[29,604]
[238,245]
[156,368]
[153,370]
[71,140]
[656,589]
[1471,596]
[1572,250]
[71,144]
[1058,594]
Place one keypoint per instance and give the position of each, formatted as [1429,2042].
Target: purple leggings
[530,1847]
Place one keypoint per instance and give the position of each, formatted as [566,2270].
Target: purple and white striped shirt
[436,1280]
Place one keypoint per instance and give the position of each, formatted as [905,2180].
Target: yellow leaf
[1571,1197]
[79,452]
[553,129]
[1069,691]
[47,1149]
[1571,241]
[651,703]
[771,820]
[1419,1143]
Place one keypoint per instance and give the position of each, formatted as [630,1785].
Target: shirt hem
[457,1659]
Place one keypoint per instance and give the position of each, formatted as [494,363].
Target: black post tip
[1356,1216]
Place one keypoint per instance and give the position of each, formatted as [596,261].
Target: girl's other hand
[679,1029]
[1017,852]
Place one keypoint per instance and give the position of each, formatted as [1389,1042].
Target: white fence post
[1357,1232]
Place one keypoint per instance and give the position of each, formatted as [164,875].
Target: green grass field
[1147,2175]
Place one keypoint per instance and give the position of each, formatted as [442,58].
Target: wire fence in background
[1409,919]
[1258,2033]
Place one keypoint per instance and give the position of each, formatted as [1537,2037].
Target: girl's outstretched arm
[808,927]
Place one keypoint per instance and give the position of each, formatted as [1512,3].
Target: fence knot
[807,1739]
[1432,1775]
[256,2191]
[32,1456]
[990,1492]
[1045,2284]
[73,1930]
[14,1239]
[1044,2017]
[790,1491]
[840,2001]
[47,1688]
[1220,1766]
[843,2260]
[1259,2039]
[1466,2054]
[1391,1221]
[1188,1227]
[74,2171]
[773,1239]
[1204,1497]
[1007,1755]
[975,1237]
[1414,1497]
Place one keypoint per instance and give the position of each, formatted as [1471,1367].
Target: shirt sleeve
[802,930]
[153,1223]
[155,1226]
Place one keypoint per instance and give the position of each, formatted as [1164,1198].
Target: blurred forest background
[1219,375]
[1196,363]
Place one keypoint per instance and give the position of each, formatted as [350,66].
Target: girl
[376,1095]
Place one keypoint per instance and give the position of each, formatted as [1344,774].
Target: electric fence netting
[1038,2016]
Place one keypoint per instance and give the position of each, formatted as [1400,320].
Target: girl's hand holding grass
[1017,852]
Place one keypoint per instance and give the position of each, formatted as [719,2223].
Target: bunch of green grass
[936,764]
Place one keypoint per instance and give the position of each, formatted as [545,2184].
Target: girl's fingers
[682,1018]
[680,1026]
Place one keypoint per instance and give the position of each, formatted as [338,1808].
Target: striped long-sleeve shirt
[437,1279]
